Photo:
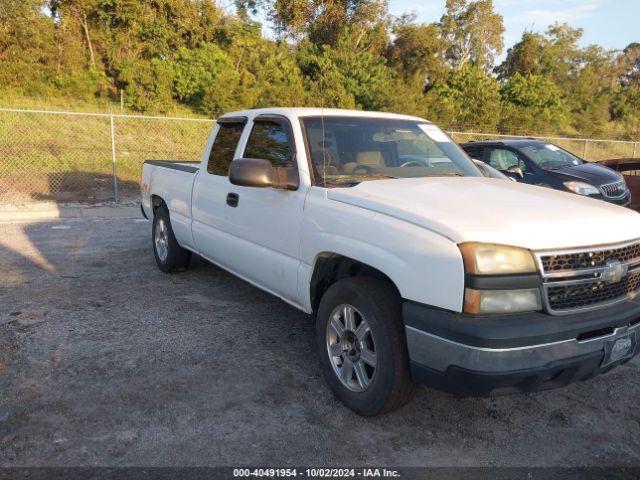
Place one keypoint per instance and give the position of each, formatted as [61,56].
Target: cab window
[224,148]
[270,141]
[474,151]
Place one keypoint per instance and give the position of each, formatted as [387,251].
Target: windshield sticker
[434,133]
[552,147]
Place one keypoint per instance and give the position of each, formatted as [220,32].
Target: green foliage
[532,91]
[198,68]
[524,57]
[83,84]
[195,56]
[473,31]
[342,79]
[534,103]
[324,23]
[148,84]
[626,111]
[469,98]
[416,51]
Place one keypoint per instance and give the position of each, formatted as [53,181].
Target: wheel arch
[330,267]
[156,202]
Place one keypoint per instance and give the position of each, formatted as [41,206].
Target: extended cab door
[208,199]
[255,232]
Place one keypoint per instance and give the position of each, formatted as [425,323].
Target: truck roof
[311,112]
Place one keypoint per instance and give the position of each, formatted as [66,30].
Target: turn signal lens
[489,259]
[502,301]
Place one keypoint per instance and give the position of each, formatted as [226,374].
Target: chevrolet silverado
[416,267]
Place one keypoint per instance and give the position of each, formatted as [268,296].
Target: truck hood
[495,211]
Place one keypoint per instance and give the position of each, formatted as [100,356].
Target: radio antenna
[324,152]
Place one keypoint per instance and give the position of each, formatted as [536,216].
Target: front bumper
[500,354]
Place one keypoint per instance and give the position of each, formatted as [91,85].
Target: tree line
[212,59]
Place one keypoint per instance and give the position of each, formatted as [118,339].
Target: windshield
[549,156]
[348,150]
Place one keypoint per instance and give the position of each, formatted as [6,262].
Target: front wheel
[169,255]
[362,347]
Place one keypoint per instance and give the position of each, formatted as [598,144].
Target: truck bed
[185,166]
[172,181]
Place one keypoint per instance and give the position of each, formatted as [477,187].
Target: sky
[612,24]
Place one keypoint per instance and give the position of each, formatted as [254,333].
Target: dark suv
[540,163]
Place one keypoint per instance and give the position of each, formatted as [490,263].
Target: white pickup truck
[417,268]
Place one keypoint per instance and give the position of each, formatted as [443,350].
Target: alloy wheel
[351,348]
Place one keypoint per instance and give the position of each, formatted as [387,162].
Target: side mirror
[251,172]
[516,171]
[259,173]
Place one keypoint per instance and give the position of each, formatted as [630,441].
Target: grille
[569,297]
[565,262]
[617,189]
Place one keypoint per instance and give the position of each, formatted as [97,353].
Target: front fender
[425,267]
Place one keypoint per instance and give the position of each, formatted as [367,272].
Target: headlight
[489,259]
[502,301]
[581,188]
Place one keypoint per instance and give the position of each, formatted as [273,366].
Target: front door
[258,234]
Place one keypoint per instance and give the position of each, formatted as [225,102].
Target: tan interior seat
[373,158]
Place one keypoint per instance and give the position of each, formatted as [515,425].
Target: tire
[169,255]
[376,305]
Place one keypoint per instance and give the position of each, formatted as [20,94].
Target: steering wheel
[325,157]
[412,163]
[366,168]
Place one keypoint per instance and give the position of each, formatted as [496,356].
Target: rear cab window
[224,147]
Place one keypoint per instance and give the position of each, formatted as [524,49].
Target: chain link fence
[71,157]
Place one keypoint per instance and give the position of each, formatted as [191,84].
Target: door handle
[232,199]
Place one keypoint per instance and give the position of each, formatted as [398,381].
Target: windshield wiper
[450,174]
[358,178]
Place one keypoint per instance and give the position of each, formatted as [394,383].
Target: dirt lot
[104,360]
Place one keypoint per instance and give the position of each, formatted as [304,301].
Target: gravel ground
[104,360]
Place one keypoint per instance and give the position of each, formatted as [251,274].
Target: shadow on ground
[65,187]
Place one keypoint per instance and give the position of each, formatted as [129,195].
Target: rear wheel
[362,347]
[169,255]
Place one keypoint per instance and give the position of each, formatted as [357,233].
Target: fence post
[635,146]
[113,158]
[584,152]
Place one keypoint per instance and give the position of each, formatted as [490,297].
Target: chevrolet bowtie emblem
[614,271]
